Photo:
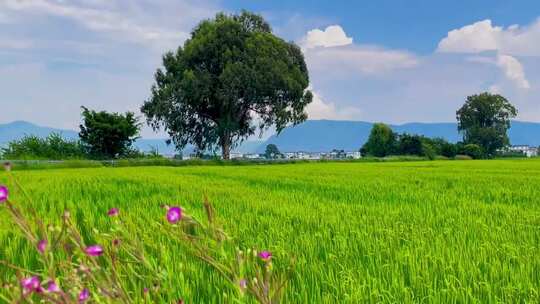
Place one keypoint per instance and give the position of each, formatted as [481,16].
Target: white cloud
[332,50]
[319,109]
[360,59]
[513,70]
[509,65]
[483,36]
[332,36]
[507,43]
[124,22]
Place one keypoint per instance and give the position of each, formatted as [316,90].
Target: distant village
[517,150]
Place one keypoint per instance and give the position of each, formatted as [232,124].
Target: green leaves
[108,134]
[232,77]
[484,120]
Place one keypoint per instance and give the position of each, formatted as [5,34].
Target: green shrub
[53,147]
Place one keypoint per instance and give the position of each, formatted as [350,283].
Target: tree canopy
[230,79]
[381,141]
[108,135]
[484,120]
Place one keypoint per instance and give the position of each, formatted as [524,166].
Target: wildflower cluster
[102,267]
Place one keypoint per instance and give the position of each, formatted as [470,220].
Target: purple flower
[52,287]
[3,193]
[265,255]
[31,284]
[84,295]
[174,214]
[146,290]
[113,212]
[242,284]
[94,250]
[42,246]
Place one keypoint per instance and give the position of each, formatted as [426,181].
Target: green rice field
[396,232]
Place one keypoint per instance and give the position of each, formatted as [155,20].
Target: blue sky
[392,61]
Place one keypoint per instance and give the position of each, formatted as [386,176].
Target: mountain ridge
[310,136]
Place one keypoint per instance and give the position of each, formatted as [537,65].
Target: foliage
[108,135]
[360,232]
[113,266]
[381,141]
[472,150]
[448,150]
[53,147]
[272,152]
[484,120]
[232,77]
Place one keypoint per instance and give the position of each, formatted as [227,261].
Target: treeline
[383,141]
[102,135]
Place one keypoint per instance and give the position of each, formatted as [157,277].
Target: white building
[525,149]
[236,155]
[353,155]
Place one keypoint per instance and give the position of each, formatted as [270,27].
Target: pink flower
[113,212]
[174,214]
[52,287]
[265,255]
[242,284]
[31,284]
[94,250]
[84,295]
[42,246]
[3,193]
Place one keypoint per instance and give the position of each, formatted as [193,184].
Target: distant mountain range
[18,129]
[325,135]
[310,136]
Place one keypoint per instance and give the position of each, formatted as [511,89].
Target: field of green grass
[399,232]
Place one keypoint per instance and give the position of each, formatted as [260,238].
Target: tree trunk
[226,148]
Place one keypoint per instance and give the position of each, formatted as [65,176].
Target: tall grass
[392,232]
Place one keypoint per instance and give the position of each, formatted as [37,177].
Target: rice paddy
[400,232]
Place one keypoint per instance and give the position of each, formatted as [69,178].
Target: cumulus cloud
[509,65]
[513,70]
[332,49]
[319,109]
[507,43]
[333,35]
[484,36]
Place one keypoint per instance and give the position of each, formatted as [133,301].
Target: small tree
[108,134]
[484,120]
[381,141]
[232,77]
[272,152]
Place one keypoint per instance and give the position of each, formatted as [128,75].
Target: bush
[428,151]
[448,150]
[53,147]
[462,157]
[472,150]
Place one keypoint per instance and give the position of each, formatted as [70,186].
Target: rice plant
[388,232]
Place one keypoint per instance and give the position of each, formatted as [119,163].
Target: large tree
[381,141]
[230,79]
[484,120]
[108,135]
